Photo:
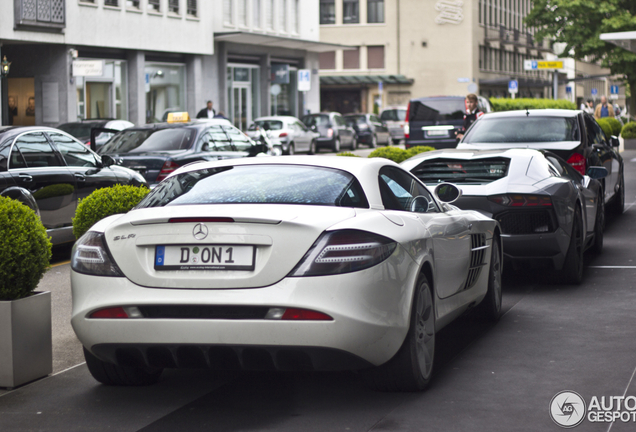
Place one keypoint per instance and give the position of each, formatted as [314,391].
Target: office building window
[192,7]
[269,15]
[350,11]
[111,3]
[351,59]
[256,13]
[375,11]
[173,6]
[293,18]
[328,60]
[282,15]
[327,12]
[154,5]
[242,12]
[375,57]
[227,11]
[133,4]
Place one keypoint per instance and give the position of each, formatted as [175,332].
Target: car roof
[288,118]
[16,130]
[193,124]
[549,112]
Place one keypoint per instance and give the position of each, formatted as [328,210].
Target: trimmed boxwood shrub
[347,154]
[25,250]
[629,131]
[105,202]
[605,125]
[504,104]
[615,125]
[417,150]
[395,154]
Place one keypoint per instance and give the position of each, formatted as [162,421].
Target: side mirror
[614,141]
[108,161]
[447,192]
[596,172]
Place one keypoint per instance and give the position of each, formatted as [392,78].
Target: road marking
[624,393]
[612,267]
[59,264]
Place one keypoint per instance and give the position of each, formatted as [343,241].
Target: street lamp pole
[4,86]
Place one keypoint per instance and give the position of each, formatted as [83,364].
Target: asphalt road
[487,378]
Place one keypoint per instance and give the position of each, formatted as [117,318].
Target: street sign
[542,65]
[594,92]
[513,86]
[280,74]
[614,89]
[304,80]
[380,87]
[568,90]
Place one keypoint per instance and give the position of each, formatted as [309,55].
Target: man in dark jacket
[207,112]
[472,113]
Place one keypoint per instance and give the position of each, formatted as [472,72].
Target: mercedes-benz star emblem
[200,231]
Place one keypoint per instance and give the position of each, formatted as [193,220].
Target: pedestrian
[588,107]
[603,109]
[472,114]
[207,112]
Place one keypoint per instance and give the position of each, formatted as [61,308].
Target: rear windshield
[139,141]
[393,115]
[523,130]
[267,125]
[357,119]
[462,171]
[437,110]
[260,184]
[316,120]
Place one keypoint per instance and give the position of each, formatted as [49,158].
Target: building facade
[140,59]
[415,48]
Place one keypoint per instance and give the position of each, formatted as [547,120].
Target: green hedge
[105,202]
[606,126]
[629,131]
[25,250]
[347,154]
[397,154]
[504,104]
[616,125]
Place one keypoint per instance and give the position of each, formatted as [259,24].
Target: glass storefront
[104,96]
[165,90]
[243,94]
[284,96]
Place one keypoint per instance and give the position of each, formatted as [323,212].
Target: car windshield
[461,170]
[139,141]
[317,120]
[523,129]
[393,115]
[260,184]
[267,125]
[437,110]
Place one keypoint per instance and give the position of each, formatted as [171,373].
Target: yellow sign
[542,64]
[178,117]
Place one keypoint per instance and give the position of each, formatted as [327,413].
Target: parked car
[82,129]
[573,135]
[395,119]
[156,150]
[434,121]
[370,130]
[286,132]
[309,263]
[50,171]
[334,131]
[548,212]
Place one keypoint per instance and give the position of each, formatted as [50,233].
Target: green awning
[365,79]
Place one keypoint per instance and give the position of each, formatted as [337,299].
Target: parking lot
[551,338]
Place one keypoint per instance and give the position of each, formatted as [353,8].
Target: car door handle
[25,177]
[80,177]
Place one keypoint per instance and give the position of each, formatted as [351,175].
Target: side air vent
[477,255]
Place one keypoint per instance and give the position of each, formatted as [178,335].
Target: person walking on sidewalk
[207,112]
[603,109]
[472,114]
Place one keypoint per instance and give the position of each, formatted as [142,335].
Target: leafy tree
[579,24]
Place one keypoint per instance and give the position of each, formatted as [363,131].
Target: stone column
[136,61]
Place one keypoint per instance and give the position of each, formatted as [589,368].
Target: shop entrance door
[241,106]
[98,100]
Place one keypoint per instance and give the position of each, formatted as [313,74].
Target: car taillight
[90,256]
[577,161]
[294,314]
[282,135]
[167,168]
[407,123]
[117,312]
[329,132]
[344,251]
[521,200]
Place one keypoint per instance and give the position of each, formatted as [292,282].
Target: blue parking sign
[594,92]
[614,89]
[513,86]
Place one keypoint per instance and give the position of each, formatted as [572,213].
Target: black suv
[155,150]
[573,135]
[434,121]
[333,130]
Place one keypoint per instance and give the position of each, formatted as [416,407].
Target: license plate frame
[437,133]
[211,257]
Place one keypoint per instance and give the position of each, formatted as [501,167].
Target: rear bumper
[536,249]
[370,313]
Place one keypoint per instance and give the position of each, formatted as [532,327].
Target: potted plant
[26,351]
[629,135]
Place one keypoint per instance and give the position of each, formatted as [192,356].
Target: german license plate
[204,257]
[436,133]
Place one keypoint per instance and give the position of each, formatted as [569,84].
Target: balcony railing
[47,15]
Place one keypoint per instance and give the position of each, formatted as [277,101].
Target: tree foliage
[579,24]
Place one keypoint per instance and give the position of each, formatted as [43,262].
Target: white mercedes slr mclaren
[300,263]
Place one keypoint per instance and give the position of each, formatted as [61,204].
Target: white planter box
[26,349]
